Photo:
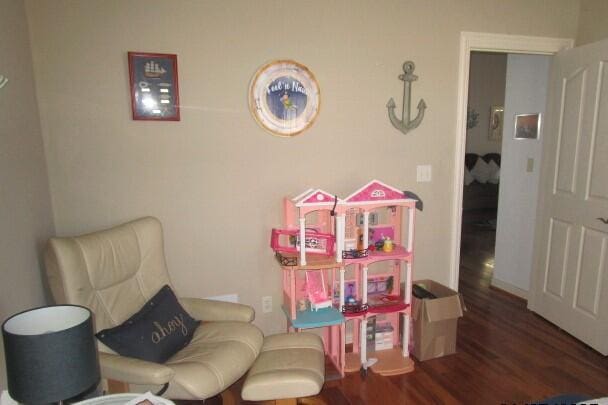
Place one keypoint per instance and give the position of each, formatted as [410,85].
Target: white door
[570,279]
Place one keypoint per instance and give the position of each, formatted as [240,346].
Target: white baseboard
[510,288]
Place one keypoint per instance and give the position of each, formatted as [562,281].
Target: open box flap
[439,290]
[448,304]
[442,309]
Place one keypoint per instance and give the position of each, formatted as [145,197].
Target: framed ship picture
[284,97]
[154,86]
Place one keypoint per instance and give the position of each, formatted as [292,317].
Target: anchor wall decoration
[405,124]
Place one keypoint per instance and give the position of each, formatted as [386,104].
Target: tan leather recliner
[115,272]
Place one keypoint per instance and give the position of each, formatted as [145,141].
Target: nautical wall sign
[284,97]
[405,124]
[154,87]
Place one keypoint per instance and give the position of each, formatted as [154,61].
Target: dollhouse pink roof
[376,191]
[314,198]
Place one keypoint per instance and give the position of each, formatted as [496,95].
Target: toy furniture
[316,290]
[374,232]
[315,242]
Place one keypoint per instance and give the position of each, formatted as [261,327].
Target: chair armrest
[210,310]
[133,371]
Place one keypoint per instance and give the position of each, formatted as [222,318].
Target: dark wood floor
[506,354]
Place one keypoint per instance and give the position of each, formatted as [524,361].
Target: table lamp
[50,354]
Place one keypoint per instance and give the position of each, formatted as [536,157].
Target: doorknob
[604,220]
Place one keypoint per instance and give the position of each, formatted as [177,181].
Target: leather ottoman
[290,365]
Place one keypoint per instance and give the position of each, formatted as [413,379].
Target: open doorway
[471,42]
[501,173]
[485,116]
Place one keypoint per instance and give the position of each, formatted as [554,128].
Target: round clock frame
[284,97]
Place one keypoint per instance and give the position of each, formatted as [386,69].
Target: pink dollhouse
[364,243]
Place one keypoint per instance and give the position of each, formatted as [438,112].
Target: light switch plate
[530,165]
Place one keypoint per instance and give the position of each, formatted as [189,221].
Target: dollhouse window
[378,193]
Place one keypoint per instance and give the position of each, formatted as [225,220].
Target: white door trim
[477,41]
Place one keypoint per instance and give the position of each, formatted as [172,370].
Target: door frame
[485,42]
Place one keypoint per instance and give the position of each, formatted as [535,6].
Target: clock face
[284,97]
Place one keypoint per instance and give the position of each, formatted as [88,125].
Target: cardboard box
[436,321]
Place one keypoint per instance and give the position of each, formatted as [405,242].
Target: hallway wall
[526,92]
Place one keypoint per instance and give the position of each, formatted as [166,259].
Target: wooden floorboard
[506,354]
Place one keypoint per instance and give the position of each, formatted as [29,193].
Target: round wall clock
[284,97]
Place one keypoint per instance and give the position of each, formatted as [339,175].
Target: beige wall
[487,74]
[592,22]
[25,207]
[216,179]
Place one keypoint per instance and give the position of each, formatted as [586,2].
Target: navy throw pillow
[159,330]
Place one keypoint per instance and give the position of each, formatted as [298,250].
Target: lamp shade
[50,354]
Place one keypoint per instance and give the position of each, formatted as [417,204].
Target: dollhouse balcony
[378,304]
[318,261]
[313,261]
[398,253]
[356,310]
[389,308]
[355,254]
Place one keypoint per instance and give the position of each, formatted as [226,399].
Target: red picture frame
[154,86]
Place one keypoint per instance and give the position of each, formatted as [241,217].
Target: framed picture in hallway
[496,118]
[154,86]
[527,126]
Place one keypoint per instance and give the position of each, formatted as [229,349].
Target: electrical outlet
[267,304]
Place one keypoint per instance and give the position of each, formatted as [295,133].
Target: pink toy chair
[316,290]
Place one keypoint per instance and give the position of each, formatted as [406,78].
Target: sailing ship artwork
[153,70]
[154,86]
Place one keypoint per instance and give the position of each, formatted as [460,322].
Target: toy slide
[317,290]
